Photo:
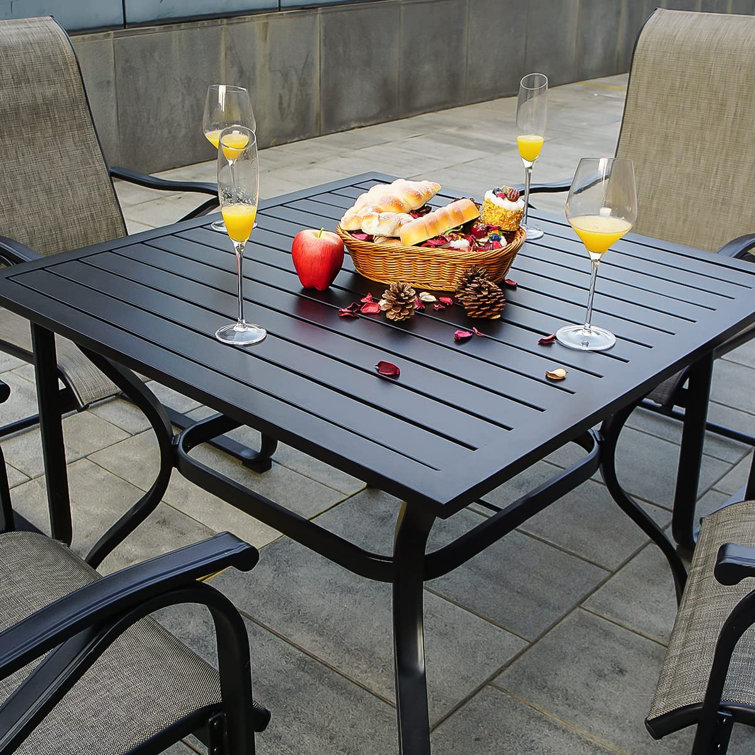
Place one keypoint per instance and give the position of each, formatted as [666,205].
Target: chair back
[689,127]
[55,190]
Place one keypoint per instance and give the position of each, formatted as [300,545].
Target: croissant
[399,196]
[352,219]
[384,223]
[439,221]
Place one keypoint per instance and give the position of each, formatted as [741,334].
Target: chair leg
[691,455]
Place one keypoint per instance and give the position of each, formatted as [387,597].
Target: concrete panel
[161,78]
[359,67]
[743,6]
[598,38]
[715,6]
[633,16]
[95,54]
[145,11]
[679,4]
[70,14]
[552,39]
[276,57]
[433,55]
[495,48]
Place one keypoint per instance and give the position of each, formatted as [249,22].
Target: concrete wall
[318,70]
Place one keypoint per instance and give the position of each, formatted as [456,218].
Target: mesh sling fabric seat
[706,605]
[145,681]
[688,128]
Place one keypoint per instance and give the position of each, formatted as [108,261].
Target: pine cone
[398,301]
[482,299]
[473,274]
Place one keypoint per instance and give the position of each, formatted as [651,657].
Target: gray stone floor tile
[744,354]
[215,513]
[180,748]
[710,502]
[22,401]
[729,416]
[15,476]
[86,433]
[494,722]
[315,709]
[344,620]
[166,209]
[597,676]
[134,226]
[731,385]
[640,596]
[123,414]
[24,451]
[171,398]
[134,459]
[588,523]
[643,463]
[522,584]
[8,362]
[736,478]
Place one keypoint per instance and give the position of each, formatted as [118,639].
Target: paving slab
[736,478]
[123,414]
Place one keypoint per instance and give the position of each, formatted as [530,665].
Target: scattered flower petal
[510,283]
[438,306]
[360,236]
[367,298]
[347,311]
[447,300]
[387,369]
[477,333]
[425,296]
[558,374]
[547,340]
[461,335]
[418,304]
[370,308]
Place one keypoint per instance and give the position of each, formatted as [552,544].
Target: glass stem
[593,278]
[239,248]
[527,179]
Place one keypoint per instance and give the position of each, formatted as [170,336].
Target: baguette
[438,222]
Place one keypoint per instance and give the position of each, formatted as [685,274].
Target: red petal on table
[360,236]
[447,300]
[462,335]
[370,308]
[350,311]
[510,283]
[547,340]
[388,369]
[438,306]
[367,298]
[419,304]
[477,333]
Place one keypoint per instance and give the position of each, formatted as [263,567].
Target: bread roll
[439,221]
[384,223]
[399,196]
[352,219]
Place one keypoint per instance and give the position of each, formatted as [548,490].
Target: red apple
[318,256]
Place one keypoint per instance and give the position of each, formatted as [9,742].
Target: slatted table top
[462,417]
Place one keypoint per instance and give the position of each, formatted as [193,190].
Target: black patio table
[461,419]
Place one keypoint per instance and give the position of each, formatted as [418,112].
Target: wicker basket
[437,269]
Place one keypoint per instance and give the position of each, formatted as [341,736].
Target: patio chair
[56,191]
[687,126]
[83,667]
[708,675]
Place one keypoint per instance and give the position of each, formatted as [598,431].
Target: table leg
[611,430]
[412,529]
[51,428]
[690,454]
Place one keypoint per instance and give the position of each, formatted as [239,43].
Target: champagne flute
[226,106]
[601,208]
[238,191]
[531,114]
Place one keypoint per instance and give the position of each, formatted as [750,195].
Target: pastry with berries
[502,207]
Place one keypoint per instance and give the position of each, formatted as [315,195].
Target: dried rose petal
[359,236]
[461,335]
[438,307]
[558,374]
[547,340]
[350,311]
[388,369]
[477,333]
[418,304]
[425,296]
[447,300]
[367,298]
[370,308]
[510,283]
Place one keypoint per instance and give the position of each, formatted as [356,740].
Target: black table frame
[409,565]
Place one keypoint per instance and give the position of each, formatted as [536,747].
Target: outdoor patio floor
[549,642]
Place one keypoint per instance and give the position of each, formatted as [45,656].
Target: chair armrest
[739,247]
[734,563]
[14,252]
[163,184]
[104,598]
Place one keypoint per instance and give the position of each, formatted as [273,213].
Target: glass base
[241,333]
[585,339]
[218,225]
[533,233]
